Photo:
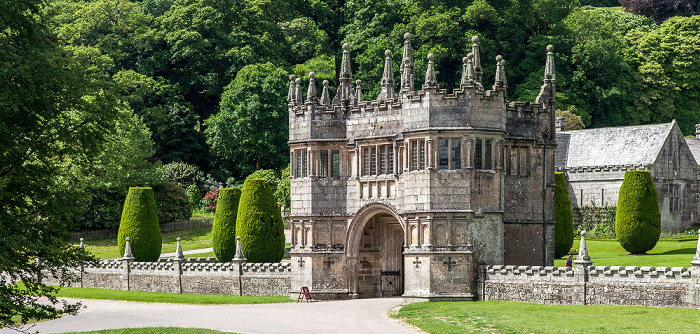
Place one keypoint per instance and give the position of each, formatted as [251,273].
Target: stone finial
[465,70]
[696,259]
[583,259]
[311,94]
[407,68]
[82,243]
[239,257]
[560,124]
[290,95]
[388,83]
[500,81]
[697,130]
[346,93]
[325,97]
[478,73]
[297,93]
[430,80]
[179,255]
[358,90]
[127,250]
[549,67]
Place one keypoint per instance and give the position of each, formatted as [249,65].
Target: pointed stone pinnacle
[179,255]
[476,62]
[583,259]
[127,250]
[430,80]
[358,90]
[500,81]
[297,93]
[388,83]
[290,95]
[407,68]
[325,97]
[549,66]
[311,94]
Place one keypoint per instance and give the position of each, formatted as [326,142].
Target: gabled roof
[615,146]
[694,146]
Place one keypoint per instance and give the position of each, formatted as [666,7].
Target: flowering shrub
[210,200]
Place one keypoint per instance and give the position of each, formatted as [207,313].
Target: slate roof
[694,146]
[615,146]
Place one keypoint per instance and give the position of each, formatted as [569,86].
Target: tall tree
[661,10]
[54,106]
[251,129]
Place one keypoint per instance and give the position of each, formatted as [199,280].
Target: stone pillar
[127,260]
[238,261]
[82,267]
[429,154]
[581,264]
[179,259]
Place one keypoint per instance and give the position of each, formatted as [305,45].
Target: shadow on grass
[678,251]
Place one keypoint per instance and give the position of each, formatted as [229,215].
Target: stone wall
[634,286]
[194,275]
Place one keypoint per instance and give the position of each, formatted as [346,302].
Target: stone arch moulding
[358,224]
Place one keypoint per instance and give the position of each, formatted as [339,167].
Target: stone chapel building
[407,194]
[595,162]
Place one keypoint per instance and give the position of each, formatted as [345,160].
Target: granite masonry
[409,193]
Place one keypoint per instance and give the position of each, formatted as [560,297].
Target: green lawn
[665,254]
[160,297]
[513,317]
[153,330]
[190,239]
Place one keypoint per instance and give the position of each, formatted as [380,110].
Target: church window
[324,163]
[302,163]
[382,159]
[373,162]
[456,154]
[366,161]
[391,159]
[674,198]
[335,161]
[450,153]
[482,154]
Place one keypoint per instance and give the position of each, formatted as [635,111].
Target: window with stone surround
[378,160]
[483,154]
[450,153]
[417,154]
[330,163]
[302,169]
[674,196]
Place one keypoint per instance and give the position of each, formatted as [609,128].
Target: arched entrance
[375,251]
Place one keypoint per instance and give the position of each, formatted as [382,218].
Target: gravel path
[351,316]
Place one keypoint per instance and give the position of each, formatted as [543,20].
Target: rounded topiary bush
[223,233]
[259,223]
[140,223]
[638,220]
[564,222]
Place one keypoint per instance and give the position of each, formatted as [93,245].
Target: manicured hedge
[638,220]
[564,222]
[223,234]
[259,223]
[140,223]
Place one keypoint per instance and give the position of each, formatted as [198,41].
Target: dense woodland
[100,95]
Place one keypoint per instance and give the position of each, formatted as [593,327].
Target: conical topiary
[140,223]
[259,223]
[638,220]
[564,222]
[223,233]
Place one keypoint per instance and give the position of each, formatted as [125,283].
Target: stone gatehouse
[409,193]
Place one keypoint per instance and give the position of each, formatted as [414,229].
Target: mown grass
[153,330]
[190,239]
[513,317]
[666,254]
[160,297]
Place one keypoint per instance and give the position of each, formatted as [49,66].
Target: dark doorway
[380,259]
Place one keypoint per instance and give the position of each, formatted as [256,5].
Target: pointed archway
[376,240]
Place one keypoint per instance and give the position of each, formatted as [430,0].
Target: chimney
[560,125]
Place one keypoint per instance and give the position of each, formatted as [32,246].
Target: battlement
[606,168]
